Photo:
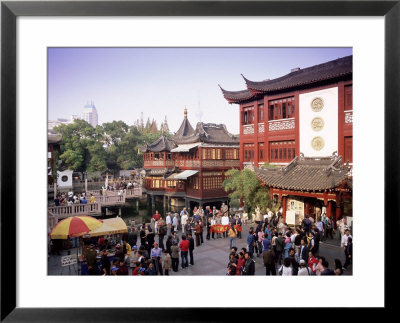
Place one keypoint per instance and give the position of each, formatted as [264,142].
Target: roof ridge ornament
[185,113]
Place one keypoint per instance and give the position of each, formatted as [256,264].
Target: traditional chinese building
[191,166]
[309,185]
[309,110]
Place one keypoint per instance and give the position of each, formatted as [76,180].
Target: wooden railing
[75,209]
[110,200]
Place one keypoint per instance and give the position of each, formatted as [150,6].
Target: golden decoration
[317,124]
[317,143]
[317,104]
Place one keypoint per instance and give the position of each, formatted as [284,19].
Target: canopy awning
[110,226]
[183,175]
[185,147]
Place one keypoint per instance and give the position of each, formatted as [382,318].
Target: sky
[123,82]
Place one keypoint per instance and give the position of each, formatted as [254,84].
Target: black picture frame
[10,10]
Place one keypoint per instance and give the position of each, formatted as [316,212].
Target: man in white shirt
[225,221]
[168,222]
[184,218]
[345,238]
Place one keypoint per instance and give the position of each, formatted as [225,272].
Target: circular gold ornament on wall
[317,143]
[317,124]
[317,104]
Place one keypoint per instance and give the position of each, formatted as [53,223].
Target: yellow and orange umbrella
[75,226]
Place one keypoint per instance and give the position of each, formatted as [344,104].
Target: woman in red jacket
[240,263]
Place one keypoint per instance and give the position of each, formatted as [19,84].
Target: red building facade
[302,121]
[191,165]
[279,118]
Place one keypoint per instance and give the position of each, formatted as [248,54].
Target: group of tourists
[63,199]
[283,250]
[287,251]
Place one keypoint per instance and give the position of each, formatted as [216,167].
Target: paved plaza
[211,258]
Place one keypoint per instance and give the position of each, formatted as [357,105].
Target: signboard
[291,217]
[68,260]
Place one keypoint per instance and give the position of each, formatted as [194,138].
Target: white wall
[68,183]
[329,114]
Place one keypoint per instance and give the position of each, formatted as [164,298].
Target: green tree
[81,146]
[245,185]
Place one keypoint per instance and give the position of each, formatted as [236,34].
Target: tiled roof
[237,96]
[184,132]
[161,144]
[306,174]
[337,68]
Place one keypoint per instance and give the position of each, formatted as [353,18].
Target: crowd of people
[157,249]
[287,251]
[70,198]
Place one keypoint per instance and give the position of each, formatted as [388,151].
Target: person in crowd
[232,264]
[269,261]
[338,267]
[232,236]
[175,256]
[122,269]
[251,241]
[312,263]
[238,224]
[201,231]
[245,216]
[306,224]
[348,252]
[293,261]
[175,236]
[105,263]
[288,245]
[151,269]
[279,247]
[213,222]
[286,269]
[132,236]
[168,222]
[150,239]
[91,199]
[126,249]
[218,220]
[225,222]
[167,263]
[303,250]
[197,231]
[249,265]
[320,227]
[240,263]
[260,238]
[162,231]
[319,268]
[328,228]
[156,257]
[133,258]
[326,271]
[303,270]
[119,253]
[208,226]
[142,235]
[266,243]
[168,244]
[191,248]
[175,222]
[184,247]
[184,220]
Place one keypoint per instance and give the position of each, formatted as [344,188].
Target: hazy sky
[123,82]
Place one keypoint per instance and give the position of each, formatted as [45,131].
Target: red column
[256,153]
[329,209]
[284,202]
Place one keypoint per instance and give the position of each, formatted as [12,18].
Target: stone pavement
[211,258]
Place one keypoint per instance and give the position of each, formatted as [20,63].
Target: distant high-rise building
[90,114]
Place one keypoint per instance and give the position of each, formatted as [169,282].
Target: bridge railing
[110,200]
[75,209]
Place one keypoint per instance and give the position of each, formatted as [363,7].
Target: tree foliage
[111,146]
[245,185]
